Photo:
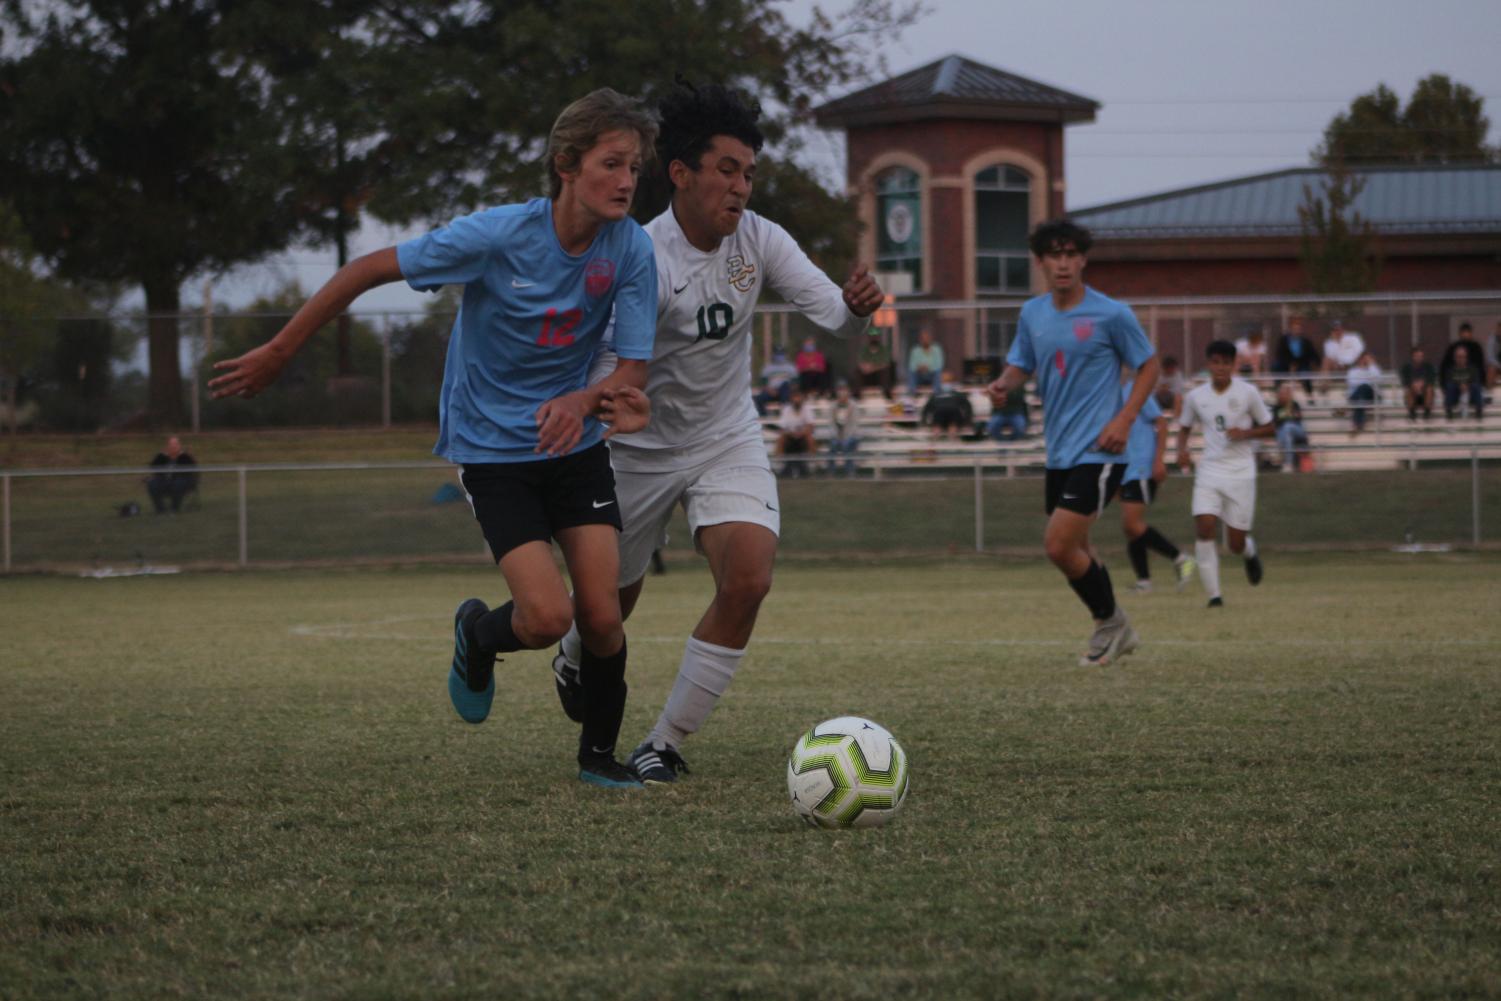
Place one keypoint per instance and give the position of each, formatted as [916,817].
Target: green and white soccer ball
[847,772]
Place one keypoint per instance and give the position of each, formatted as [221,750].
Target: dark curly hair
[693,116]
[1055,234]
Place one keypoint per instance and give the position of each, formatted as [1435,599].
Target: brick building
[954,162]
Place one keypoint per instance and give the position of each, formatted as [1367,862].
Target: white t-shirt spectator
[1344,349]
[1363,375]
[796,419]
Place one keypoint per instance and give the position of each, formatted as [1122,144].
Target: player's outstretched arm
[1185,461]
[257,368]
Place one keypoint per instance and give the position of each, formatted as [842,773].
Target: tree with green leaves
[1443,122]
[142,135]
[1338,251]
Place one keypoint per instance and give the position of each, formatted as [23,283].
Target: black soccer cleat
[570,688]
[1216,603]
[1253,569]
[657,765]
[601,769]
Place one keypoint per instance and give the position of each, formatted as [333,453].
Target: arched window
[1002,263]
[899,223]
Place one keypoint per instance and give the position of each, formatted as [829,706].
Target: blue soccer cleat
[471,679]
[601,769]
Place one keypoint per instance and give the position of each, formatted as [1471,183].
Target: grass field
[252,785]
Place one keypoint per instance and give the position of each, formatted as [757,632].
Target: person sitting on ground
[925,364]
[1418,379]
[173,483]
[777,379]
[1292,438]
[1362,379]
[949,411]
[796,437]
[1464,381]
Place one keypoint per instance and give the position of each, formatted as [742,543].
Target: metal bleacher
[893,439]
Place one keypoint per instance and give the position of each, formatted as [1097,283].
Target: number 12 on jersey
[557,328]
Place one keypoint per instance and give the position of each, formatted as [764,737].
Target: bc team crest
[742,275]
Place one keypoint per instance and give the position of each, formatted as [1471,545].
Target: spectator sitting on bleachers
[1291,436]
[1171,385]
[796,437]
[1493,356]
[1464,381]
[948,411]
[1465,339]
[925,364]
[1362,379]
[844,428]
[1296,353]
[1008,422]
[875,364]
[812,369]
[1418,379]
[1342,349]
[1250,353]
[175,481]
[777,378]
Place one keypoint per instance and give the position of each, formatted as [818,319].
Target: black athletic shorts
[1083,489]
[1139,491]
[520,502]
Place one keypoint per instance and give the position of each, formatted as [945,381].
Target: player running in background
[517,412]
[1233,415]
[1076,341]
[1145,472]
[704,448]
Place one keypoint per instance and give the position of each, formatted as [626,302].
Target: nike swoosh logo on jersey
[600,504]
[516,284]
[1070,496]
[678,291]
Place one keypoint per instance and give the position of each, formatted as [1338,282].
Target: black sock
[1158,543]
[603,681]
[493,630]
[1137,550]
[1095,591]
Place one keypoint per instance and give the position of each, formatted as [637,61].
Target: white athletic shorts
[733,482]
[1232,501]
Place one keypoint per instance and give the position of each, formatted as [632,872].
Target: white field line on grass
[372,630]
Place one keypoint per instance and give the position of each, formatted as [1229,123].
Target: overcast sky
[1192,91]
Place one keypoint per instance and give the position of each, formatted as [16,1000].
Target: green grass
[252,785]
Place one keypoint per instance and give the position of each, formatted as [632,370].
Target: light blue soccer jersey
[1141,446]
[1076,357]
[531,317]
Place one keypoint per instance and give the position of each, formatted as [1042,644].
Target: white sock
[573,646]
[1208,555]
[1250,551]
[703,676]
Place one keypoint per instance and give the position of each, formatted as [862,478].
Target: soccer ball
[847,772]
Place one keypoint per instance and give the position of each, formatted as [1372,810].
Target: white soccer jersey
[1239,406]
[699,378]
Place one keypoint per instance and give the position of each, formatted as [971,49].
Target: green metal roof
[1398,199]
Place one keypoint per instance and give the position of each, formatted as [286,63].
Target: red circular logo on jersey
[599,276]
